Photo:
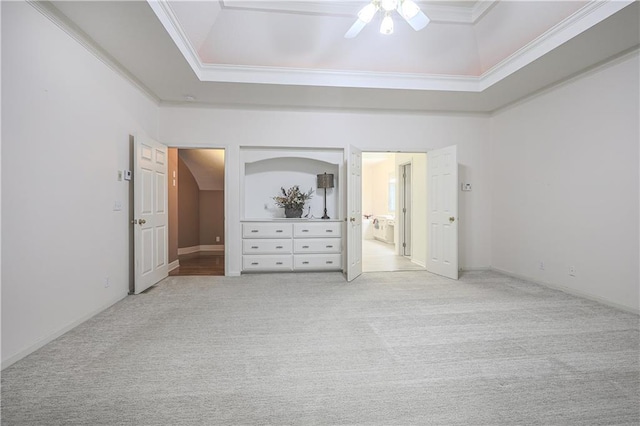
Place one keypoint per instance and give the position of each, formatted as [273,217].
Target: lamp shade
[325,180]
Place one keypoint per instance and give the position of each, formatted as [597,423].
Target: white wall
[66,121]
[383,171]
[565,185]
[232,128]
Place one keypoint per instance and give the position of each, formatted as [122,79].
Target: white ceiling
[475,56]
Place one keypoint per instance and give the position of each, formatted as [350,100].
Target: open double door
[442,212]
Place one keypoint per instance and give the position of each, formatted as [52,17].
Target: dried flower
[293,198]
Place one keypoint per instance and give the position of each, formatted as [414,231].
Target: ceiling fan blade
[419,21]
[355,29]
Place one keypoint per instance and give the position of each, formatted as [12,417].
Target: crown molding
[49,11]
[170,22]
[332,78]
[435,12]
[583,19]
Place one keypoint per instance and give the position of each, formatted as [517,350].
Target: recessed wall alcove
[266,171]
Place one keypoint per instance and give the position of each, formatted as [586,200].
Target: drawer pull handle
[278,263]
[305,230]
[254,230]
[278,247]
[329,230]
[329,262]
[305,246]
[254,263]
[279,230]
[254,247]
[305,262]
[329,246]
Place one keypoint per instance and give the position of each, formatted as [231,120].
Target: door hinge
[404,245]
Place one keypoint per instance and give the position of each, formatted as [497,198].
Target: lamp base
[325,216]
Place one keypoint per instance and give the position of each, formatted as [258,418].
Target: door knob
[452,219]
[142,221]
[353,219]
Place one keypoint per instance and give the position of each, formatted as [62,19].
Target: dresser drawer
[267,263]
[317,245]
[266,230]
[317,229]
[316,262]
[266,246]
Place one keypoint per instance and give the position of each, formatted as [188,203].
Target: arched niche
[264,178]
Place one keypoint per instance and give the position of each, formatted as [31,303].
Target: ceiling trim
[49,11]
[435,12]
[586,17]
[331,78]
[580,21]
[171,24]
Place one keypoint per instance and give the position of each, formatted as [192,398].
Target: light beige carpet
[403,348]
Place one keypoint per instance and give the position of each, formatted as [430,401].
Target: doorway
[196,203]
[393,196]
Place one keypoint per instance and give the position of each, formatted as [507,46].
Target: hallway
[201,263]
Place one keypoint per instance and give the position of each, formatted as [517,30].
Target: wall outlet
[541,265]
[217,239]
[466,187]
[572,271]
[107,282]
[117,206]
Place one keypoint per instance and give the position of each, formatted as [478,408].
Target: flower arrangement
[293,198]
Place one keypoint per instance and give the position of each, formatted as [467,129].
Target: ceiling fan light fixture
[388,5]
[386,27]
[367,13]
[408,9]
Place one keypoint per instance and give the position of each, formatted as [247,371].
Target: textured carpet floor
[404,348]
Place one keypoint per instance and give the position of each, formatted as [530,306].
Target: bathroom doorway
[393,200]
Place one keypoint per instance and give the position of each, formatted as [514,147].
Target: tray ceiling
[473,56]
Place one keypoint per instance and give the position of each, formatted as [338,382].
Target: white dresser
[292,245]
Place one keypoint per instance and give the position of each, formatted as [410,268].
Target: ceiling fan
[406,8]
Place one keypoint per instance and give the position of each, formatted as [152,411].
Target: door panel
[150,213]
[442,216]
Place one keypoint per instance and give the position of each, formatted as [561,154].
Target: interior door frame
[402,151]
[225,148]
[353,214]
[405,204]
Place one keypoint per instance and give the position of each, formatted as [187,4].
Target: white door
[150,213]
[354,213]
[442,212]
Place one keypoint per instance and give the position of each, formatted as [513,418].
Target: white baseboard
[421,264]
[196,249]
[53,336]
[174,265]
[568,290]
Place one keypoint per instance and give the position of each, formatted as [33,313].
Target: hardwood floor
[203,263]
